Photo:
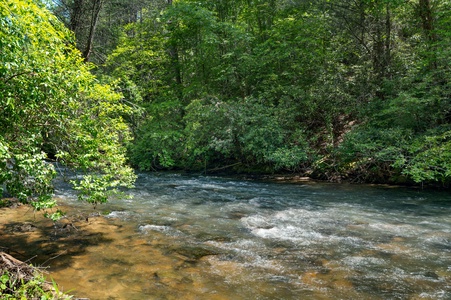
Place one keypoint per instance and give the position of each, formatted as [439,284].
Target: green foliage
[374,154]
[158,141]
[338,89]
[245,131]
[431,158]
[14,288]
[396,154]
[52,107]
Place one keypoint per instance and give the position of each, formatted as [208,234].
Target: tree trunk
[75,17]
[427,18]
[174,55]
[427,22]
[97,6]
[388,25]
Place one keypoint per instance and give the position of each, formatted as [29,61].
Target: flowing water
[195,237]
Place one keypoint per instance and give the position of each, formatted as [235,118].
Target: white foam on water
[257,221]
[249,253]
[362,261]
[403,230]
[151,227]
[118,214]
[210,186]
[441,240]
[301,226]
[290,233]
[441,294]
[167,230]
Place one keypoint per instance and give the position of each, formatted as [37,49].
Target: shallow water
[186,237]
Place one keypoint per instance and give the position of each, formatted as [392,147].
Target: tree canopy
[334,89]
[356,90]
[54,109]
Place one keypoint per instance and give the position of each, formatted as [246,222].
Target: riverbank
[335,178]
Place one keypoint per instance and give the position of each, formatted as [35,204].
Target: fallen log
[17,270]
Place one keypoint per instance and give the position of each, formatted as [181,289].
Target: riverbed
[204,237]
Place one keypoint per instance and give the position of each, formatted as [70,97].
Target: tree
[405,136]
[351,88]
[81,17]
[53,108]
[97,24]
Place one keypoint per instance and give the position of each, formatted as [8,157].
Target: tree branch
[16,75]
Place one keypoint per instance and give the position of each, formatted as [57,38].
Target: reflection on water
[186,237]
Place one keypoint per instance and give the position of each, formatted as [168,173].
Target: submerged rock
[432,275]
[21,227]
[195,252]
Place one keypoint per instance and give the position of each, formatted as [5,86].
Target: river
[201,237]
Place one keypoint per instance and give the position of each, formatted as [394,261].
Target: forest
[338,90]
[355,90]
